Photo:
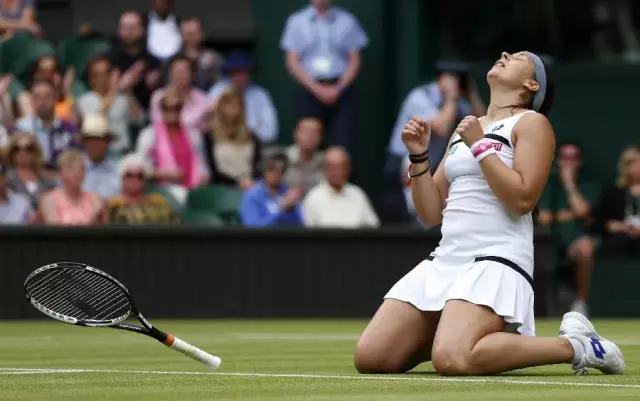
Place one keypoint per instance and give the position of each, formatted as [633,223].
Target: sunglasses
[27,148]
[172,107]
[139,176]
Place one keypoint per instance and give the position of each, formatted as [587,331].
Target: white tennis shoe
[599,353]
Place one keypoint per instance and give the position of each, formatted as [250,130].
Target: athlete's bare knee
[369,359]
[449,360]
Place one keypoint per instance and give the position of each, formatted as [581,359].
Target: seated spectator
[138,70]
[181,83]
[566,206]
[101,176]
[397,207]
[121,108]
[25,175]
[6,104]
[305,159]
[232,150]
[15,208]
[174,151]
[270,203]
[163,34]
[70,205]
[261,117]
[54,135]
[208,62]
[46,68]
[619,208]
[133,206]
[18,16]
[335,202]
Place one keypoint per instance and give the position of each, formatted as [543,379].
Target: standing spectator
[25,175]
[163,32]
[305,159]
[18,16]
[137,69]
[133,206]
[323,45]
[46,68]
[70,205]
[232,150]
[270,203]
[14,207]
[566,206]
[120,107]
[336,202]
[53,134]
[181,83]
[101,172]
[174,151]
[208,62]
[261,117]
[443,102]
[619,209]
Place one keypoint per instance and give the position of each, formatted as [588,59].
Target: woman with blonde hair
[619,209]
[25,175]
[231,149]
[70,205]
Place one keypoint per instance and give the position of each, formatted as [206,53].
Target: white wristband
[482,148]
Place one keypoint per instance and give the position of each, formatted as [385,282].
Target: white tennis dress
[486,253]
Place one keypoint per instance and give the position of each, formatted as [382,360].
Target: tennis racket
[82,295]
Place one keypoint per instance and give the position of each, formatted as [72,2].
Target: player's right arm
[429,192]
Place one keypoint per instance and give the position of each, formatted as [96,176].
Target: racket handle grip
[193,352]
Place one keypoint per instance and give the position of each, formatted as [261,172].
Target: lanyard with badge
[322,61]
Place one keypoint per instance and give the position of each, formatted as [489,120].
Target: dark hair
[270,162]
[182,57]
[34,66]
[98,59]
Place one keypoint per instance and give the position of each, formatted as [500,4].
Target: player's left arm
[520,187]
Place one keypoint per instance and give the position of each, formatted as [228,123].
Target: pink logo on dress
[497,146]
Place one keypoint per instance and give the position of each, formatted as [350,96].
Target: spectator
[54,135]
[323,45]
[25,175]
[566,206]
[120,107]
[397,207]
[174,151]
[14,207]
[232,150]
[18,16]
[619,209]
[70,205]
[163,33]
[208,62]
[443,102]
[270,203]
[336,202]
[46,68]
[133,206]
[101,173]
[181,83]
[138,70]
[6,104]
[305,159]
[261,117]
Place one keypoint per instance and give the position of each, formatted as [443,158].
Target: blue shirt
[260,112]
[323,42]
[102,179]
[260,209]
[424,101]
[53,140]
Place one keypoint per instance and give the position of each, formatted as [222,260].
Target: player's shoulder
[534,123]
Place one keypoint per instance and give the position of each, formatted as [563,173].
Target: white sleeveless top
[475,223]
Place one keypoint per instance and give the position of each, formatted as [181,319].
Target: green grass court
[268,360]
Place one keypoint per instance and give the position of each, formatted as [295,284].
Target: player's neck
[502,105]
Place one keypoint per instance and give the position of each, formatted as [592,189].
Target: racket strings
[80,294]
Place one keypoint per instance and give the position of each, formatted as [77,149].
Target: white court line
[28,371]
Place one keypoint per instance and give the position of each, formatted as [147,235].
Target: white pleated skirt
[432,283]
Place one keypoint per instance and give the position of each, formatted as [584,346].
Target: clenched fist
[415,135]
[470,130]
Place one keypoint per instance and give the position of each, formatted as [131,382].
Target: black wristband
[419,158]
[425,171]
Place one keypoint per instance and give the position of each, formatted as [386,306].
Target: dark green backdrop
[595,103]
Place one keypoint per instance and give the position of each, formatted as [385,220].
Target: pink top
[182,155]
[77,213]
[193,110]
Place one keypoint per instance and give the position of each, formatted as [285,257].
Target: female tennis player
[469,306]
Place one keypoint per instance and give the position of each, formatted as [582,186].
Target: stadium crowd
[154,124]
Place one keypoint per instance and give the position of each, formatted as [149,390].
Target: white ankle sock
[578,349]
